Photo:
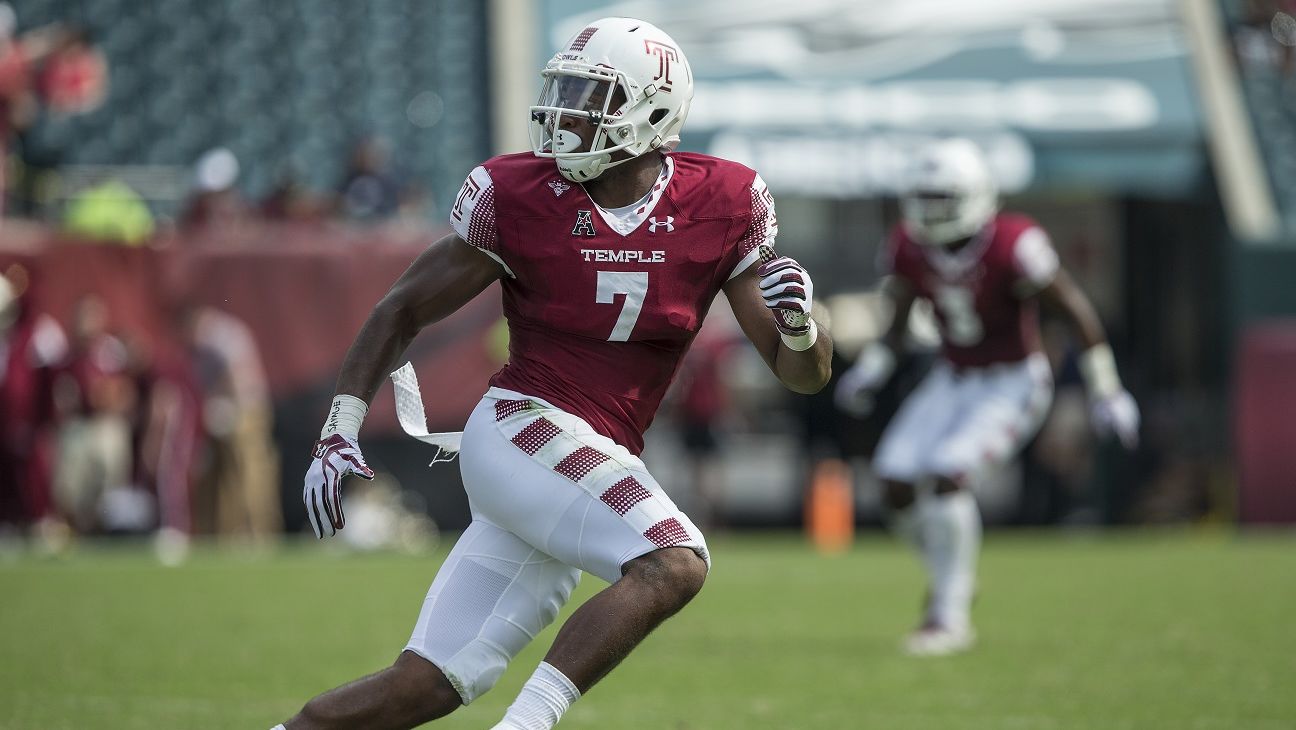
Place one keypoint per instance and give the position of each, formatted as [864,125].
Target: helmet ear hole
[657,116]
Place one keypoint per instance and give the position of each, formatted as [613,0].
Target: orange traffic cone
[830,507]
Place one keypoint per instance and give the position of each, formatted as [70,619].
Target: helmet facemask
[595,96]
[939,217]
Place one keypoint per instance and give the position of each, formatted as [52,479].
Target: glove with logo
[789,293]
[336,455]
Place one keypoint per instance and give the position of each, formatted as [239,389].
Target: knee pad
[483,609]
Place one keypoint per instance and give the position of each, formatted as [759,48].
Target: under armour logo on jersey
[559,187]
[669,223]
[584,224]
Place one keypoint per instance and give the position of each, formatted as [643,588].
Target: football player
[609,248]
[985,273]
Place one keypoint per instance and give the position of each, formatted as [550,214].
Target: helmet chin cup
[585,168]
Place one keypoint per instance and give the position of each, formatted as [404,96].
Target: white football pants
[549,497]
[960,423]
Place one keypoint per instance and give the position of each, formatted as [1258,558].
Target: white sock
[279,727]
[951,536]
[541,703]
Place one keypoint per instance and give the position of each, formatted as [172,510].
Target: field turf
[1110,631]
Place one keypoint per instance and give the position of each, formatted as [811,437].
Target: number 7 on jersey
[634,285]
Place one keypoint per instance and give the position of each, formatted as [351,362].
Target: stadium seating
[281,84]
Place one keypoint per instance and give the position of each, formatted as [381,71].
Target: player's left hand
[1117,414]
[336,455]
[788,292]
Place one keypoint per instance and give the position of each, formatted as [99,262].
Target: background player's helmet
[612,60]
[951,195]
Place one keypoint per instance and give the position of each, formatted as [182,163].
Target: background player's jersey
[982,293]
[601,305]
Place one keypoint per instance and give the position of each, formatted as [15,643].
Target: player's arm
[1065,297]
[902,296]
[877,361]
[800,357]
[1113,408]
[441,280]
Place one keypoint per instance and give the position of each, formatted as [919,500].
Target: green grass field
[1184,631]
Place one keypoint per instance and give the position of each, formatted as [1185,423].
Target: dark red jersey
[601,305]
[981,293]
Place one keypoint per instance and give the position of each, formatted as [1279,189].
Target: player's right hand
[336,455]
[858,386]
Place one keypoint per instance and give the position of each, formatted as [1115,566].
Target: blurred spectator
[17,102]
[96,400]
[701,405]
[55,65]
[215,200]
[109,211]
[167,436]
[237,491]
[290,201]
[31,344]
[74,78]
[371,190]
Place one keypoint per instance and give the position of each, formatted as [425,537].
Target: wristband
[1098,368]
[345,416]
[802,342]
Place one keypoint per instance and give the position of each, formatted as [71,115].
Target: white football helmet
[951,195]
[622,60]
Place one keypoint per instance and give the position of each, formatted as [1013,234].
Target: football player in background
[608,261]
[985,273]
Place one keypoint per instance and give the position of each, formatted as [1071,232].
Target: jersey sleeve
[473,215]
[1035,261]
[762,230]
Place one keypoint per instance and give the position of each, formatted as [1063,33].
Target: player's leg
[1000,409]
[950,526]
[603,631]
[408,693]
[591,504]
[490,598]
[902,455]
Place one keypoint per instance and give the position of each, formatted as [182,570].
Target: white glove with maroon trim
[336,455]
[789,293]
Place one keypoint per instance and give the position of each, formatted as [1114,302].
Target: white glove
[789,293]
[858,386]
[1117,414]
[336,455]
[1112,408]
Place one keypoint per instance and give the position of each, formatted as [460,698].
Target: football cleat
[936,640]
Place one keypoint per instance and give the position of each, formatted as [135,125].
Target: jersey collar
[626,220]
[958,262]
